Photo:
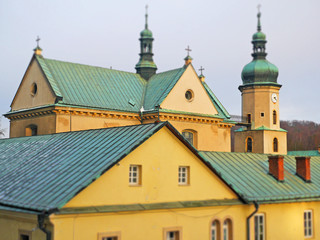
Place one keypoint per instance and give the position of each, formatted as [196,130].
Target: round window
[189,95]
[34,89]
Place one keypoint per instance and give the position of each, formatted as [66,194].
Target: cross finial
[146,26]
[188,50]
[259,15]
[201,69]
[37,40]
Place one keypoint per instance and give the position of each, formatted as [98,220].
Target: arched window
[190,135]
[32,130]
[249,118]
[274,117]
[275,145]
[227,230]
[215,230]
[249,144]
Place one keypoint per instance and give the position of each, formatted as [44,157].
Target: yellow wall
[24,99]
[194,223]
[262,141]
[46,125]
[256,100]
[176,100]
[160,164]
[210,137]
[12,222]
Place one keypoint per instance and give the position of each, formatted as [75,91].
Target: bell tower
[260,103]
[146,67]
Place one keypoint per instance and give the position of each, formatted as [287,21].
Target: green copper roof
[85,86]
[247,173]
[217,104]
[146,33]
[304,153]
[44,172]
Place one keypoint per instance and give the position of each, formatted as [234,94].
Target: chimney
[276,167]
[303,168]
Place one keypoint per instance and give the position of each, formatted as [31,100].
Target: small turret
[146,67]
[38,50]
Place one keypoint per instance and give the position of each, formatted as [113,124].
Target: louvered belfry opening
[303,168]
[276,167]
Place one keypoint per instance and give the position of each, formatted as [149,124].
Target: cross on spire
[259,6]
[37,40]
[146,26]
[188,50]
[201,69]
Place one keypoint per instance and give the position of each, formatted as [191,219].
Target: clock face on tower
[274,98]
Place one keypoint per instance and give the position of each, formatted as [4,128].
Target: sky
[105,33]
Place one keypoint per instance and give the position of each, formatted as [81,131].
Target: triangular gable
[200,102]
[25,97]
[159,164]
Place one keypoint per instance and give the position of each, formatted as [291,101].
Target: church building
[101,154]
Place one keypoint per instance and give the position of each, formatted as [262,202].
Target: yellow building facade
[102,154]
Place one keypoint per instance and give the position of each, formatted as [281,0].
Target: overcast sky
[105,33]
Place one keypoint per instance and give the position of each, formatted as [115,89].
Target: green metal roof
[247,174]
[217,104]
[304,153]
[90,86]
[44,172]
[79,85]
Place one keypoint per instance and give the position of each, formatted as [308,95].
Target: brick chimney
[303,168]
[276,167]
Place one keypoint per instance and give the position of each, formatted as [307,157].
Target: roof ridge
[87,65]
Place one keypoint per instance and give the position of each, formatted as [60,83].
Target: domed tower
[146,67]
[260,103]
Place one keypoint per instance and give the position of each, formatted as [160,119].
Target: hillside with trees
[302,135]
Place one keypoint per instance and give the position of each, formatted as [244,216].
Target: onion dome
[259,70]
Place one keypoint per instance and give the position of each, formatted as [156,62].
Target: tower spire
[146,24]
[146,67]
[259,15]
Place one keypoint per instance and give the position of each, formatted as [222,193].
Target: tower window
[32,130]
[274,117]
[262,114]
[249,145]
[249,118]
[275,145]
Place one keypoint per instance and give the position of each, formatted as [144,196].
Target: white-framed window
[307,217]
[184,175]
[227,229]
[173,235]
[135,175]
[259,227]
[109,236]
[215,228]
